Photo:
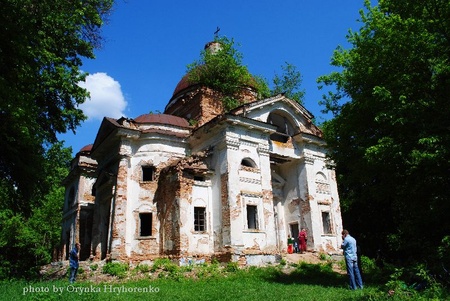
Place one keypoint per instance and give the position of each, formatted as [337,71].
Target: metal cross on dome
[216,33]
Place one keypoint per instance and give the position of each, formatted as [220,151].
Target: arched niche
[286,127]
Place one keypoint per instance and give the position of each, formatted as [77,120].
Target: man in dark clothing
[73,262]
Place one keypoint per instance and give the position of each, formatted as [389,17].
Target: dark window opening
[199,219]
[148,173]
[279,137]
[248,163]
[284,127]
[326,222]
[71,200]
[199,178]
[252,217]
[145,224]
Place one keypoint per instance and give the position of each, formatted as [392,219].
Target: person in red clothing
[302,238]
[290,244]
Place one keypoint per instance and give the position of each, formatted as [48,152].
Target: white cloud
[106,97]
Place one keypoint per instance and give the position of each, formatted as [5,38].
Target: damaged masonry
[231,187]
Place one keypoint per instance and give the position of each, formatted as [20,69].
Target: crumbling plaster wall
[167,199]
[196,194]
[156,152]
[302,204]
[321,201]
[82,180]
[249,187]
[290,172]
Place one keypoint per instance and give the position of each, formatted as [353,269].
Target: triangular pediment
[287,115]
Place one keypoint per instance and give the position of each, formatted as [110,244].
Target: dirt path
[314,258]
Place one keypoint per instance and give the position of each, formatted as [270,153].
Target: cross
[216,33]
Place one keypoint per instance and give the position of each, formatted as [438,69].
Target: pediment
[287,115]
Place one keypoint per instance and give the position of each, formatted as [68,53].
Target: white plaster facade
[233,187]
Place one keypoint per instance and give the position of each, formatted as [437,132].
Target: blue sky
[148,45]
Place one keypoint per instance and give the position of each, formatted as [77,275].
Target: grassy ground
[206,282]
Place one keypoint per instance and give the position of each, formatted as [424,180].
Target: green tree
[390,134]
[26,242]
[289,83]
[42,44]
[220,68]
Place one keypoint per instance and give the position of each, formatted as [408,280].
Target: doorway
[294,233]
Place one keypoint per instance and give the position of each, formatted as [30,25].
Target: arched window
[247,162]
[285,128]
[322,185]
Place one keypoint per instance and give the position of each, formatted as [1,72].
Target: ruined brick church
[197,182]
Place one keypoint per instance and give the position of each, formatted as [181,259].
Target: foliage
[41,45]
[118,269]
[232,266]
[143,268]
[289,83]
[28,242]
[222,70]
[164,264]
[390,133]
[93,267]
[305,282]
[324,256]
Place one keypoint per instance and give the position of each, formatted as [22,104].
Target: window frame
[200,222]
[148,173]
[252,220]
[149,223]
[326,223]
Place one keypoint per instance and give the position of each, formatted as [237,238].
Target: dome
[86,149]
[162,119]
[183,84]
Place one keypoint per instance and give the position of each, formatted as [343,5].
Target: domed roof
[86,148]
[162,119]
[183,84]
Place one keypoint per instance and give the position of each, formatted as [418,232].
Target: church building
[200,183]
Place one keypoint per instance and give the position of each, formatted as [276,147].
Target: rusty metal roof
[86,148]
[182,84]
[162,119]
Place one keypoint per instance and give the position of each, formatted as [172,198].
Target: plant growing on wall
[220,68]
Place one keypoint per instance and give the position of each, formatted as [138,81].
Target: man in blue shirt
[73,262]
[351,260]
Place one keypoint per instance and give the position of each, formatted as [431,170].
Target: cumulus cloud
[106,97]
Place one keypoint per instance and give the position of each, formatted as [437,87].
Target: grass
[211,282]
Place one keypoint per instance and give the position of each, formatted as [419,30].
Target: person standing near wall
[290,243]
[74,256]
[303,238]
[351,260]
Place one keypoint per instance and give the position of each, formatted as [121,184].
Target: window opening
[199,178]
[326,222]
[248,162]
[145,224]
[199,219]
[284,127]
[148,173]
[71,200]
[252,217]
